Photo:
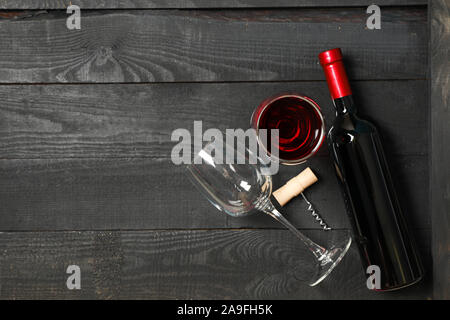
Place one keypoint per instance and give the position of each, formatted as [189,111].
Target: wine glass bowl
[238,190]
[299,121]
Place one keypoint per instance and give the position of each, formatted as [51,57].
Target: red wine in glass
[300,124]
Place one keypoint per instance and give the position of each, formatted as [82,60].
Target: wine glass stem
[316,250]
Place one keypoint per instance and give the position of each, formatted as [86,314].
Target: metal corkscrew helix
[296,186]
[314,213]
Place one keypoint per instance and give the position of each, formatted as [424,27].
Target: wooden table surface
[86,118]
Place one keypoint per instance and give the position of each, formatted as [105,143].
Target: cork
[295,186]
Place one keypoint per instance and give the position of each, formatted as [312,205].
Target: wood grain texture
[112,194]
[210,45]
[98,157]
[214,264]
[440,154]
[154,4]
[129,121]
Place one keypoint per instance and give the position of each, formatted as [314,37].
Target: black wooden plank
[105,194]
[409,173]
[101,194]
[209,45]
[154,4]
[123,121]
[233,264]
[440,156]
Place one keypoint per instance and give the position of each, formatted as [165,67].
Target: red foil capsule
[333,66]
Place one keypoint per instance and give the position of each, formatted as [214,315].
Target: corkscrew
[314,213]
[296,186]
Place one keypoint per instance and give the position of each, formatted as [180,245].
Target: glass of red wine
[300,124]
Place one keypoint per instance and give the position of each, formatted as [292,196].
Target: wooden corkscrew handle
[295,186]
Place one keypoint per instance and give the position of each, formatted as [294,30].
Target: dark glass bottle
[379,227]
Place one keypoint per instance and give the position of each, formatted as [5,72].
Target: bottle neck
[337,80]
[344,105]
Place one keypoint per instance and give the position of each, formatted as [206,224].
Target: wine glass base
[330,260]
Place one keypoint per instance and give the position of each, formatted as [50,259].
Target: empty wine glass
[241,189]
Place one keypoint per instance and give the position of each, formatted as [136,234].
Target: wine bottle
[379,227]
